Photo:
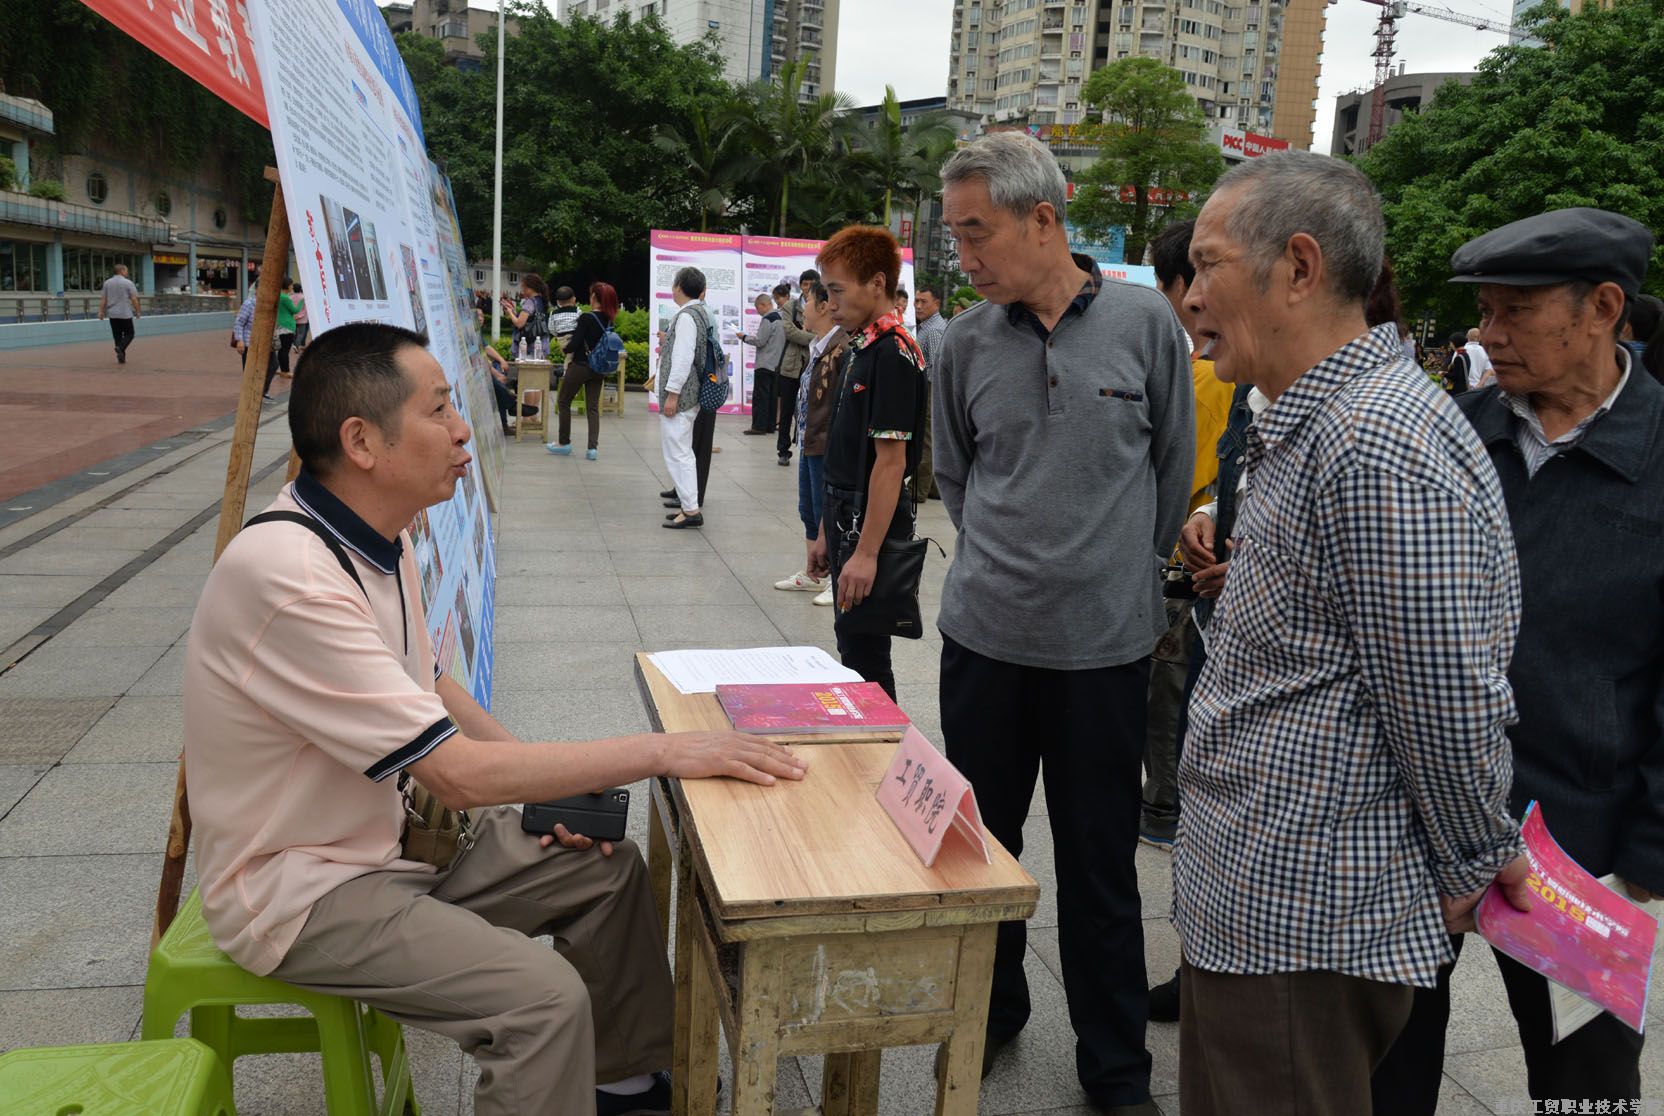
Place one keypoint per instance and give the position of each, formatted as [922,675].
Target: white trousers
[677,434]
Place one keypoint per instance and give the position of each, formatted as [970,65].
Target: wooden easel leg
[238,468]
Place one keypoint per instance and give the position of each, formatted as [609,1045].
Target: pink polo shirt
[303,700]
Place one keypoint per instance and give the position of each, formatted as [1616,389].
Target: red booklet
[1580,935]
[809,708]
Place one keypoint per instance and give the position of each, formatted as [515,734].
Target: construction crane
[1386,36]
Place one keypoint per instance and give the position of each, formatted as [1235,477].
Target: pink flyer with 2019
[1578,933]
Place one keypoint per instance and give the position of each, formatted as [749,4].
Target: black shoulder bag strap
[318,529]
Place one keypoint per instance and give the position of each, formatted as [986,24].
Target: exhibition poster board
[737,269]
[365,215]
[718,256]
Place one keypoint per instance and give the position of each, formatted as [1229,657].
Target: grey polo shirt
[1065,459]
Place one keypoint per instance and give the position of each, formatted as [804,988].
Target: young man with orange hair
[871,449]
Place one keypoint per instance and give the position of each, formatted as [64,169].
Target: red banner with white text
[208,39]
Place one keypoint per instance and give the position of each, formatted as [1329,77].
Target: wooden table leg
[959,1079]
[659,866]
[849,1084]
[757,1046]
[694,1046]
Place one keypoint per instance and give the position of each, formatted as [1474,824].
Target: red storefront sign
[1248,144]
[208,39]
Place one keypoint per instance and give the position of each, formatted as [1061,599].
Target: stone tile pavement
[587,577]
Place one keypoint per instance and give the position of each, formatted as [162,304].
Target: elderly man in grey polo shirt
[1064,452]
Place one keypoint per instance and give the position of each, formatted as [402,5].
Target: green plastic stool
[189,973]
[171,1077]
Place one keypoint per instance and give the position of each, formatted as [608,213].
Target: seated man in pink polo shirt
[309,693]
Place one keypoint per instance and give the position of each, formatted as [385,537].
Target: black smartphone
[600,817]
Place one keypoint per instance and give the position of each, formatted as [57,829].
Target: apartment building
[1251,64]
[756,38]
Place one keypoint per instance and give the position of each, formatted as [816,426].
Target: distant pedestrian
[286,326]
[1458,369]
[120,303]
[303,327]
[1480,373]
[241,331]
[770,343]
[563,320]
[814,422]
[680,361]
[531,316]
[792,362]
[579,376]
[1645,314]
[927,313]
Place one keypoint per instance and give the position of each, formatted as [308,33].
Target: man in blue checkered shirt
[1346,773]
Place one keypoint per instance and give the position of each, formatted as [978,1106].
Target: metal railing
[23,209]
[20,308]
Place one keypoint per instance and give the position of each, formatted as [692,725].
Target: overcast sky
[904,43]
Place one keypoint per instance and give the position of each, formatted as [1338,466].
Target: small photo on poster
[479,544]
[340,255]
[412,286]
[464,623]
[378,280]
[360,259]
[445,650]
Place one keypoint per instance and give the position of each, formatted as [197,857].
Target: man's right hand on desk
[709,755]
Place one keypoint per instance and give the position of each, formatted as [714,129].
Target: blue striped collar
[346,525]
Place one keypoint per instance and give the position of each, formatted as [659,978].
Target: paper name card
[928,799]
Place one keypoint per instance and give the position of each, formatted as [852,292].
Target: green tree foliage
[1578,122]
[48,188]
[104,88]
[1152,140]
[612,129]
[583,181]
[8,172]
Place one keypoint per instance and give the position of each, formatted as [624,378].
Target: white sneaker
[800,582]
[825,597]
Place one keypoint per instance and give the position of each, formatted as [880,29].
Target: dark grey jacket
[1589,660]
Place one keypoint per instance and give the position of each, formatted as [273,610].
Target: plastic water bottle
[522,353]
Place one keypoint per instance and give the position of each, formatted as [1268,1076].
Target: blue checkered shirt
[1346,763]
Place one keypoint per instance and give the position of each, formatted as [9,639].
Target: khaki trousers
[453,954]
[1295,1044]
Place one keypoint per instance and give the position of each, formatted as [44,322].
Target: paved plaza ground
[99,586]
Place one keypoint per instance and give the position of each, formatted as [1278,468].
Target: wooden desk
[805,924]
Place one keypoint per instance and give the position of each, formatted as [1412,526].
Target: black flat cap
[1558,247]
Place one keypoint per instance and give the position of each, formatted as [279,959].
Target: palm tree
[797,135]
[905,159]
[713,152]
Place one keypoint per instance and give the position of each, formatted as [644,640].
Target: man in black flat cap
[1577,438]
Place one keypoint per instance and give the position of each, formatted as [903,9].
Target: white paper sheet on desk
[701,672]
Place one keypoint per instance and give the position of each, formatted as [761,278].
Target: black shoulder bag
[892,607]
[433,833]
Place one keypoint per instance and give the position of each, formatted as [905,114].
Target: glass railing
[23,209]
[30,114]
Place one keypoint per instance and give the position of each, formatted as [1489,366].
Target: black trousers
[1602,1061]
[121,331]
[271,372]
[285,342]
[763,400]
[867,655]
[704,433]
[786,388]
[1005,725]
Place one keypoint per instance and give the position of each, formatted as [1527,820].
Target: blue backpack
[603,358]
